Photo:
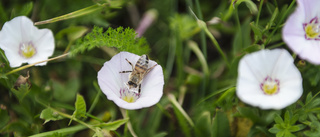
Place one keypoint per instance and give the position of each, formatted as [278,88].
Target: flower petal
[20,30]
[111,81]
[279,66]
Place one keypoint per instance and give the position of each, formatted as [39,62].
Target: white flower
[269,79]
[113,83]
[302,30]
[22,42]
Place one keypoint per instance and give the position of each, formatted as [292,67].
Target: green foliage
[114,125]
[81,108]
[285,128]
[22,91]
[119,38]
[50,115]
[221,125]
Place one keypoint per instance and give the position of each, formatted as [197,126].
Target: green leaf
[278,119]
[256,30]
[221,125]
[80,106]
[74,14]
[4,118]
[48,114]
[22,91]
[203,125]
[249,113]
[72,32]
[26,9]
[120,38]
[114,125]
[60,132]
[273,17]
[251,6]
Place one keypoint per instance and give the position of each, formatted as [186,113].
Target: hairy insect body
[139,71]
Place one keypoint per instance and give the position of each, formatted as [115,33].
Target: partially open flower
[22,42]
[114,84]
[302,31]
[269,79]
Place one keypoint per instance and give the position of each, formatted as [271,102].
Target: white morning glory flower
[114,84]
[269,79]
[302,30]
[22,42]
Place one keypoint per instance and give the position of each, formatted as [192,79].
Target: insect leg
[130,63]
[125,71]
[139,88]
[151,68]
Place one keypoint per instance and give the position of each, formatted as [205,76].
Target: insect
[139,71]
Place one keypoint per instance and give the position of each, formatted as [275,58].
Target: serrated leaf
[120,38]
[114,125]
[48,115]
[80,106]
[22,91]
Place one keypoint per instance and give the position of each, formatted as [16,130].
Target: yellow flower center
[128,96]
[270,86]
[312,29]
[27,50]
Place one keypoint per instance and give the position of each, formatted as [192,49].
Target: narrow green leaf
[251,6]
[74,14]
[114,125]
[48,114]
[256,30]
[273,17]
[61,132]
[72,32]
[278,119]
[221,125]
[26,9]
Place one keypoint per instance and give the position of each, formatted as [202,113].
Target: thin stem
[96,99]
[202,33]
[125,115]
[61,131]
[175,103]
[30,65]
[238,23]
[258,16]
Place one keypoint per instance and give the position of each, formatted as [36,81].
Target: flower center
[129,96]
[270,86]
[27,50]
[312,29]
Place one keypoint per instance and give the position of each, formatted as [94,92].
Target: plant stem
[30,65]
[129,126]
[258,16]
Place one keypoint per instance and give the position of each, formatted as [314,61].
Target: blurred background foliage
[199,95]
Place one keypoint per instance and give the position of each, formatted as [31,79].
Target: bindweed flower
[302,31]
[114,84]
[22,42]
[268,79]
